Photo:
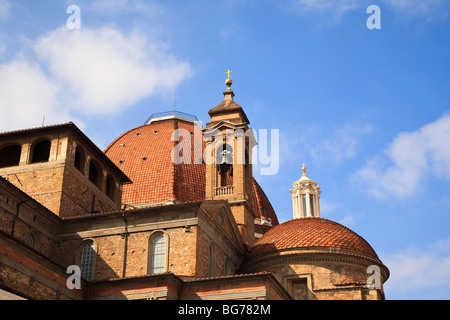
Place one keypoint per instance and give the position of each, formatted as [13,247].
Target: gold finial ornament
[229,82]
[304,169]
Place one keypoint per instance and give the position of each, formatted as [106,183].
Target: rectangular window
[311,204]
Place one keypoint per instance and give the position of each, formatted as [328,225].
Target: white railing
[224,191]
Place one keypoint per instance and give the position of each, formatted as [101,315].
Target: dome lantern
[306,197]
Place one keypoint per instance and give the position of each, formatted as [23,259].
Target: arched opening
[95,173]
[79,159]
[247,167]
[110,187]
[304,210]
[224,158]
[41,151]
[311,205]
[10,156]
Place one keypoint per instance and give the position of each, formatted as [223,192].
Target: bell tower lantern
[228,153]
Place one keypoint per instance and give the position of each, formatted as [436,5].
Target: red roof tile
[144,154]
[262,205]
[310,232]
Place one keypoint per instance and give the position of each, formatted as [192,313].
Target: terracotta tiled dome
[144,154]
[307,233]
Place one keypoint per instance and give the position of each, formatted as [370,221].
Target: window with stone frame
[33,240]
[157,253]
[87,260]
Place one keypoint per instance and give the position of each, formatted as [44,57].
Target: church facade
[170,210]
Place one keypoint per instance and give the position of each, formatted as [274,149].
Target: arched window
[311,204]
[224,158]
[224,154]
[305,212]
[95,173]
[79,159]
[33,240]
[110,187]
[158,253]
[10,156]
[158,259]
[212,260]
[87,260]
[41,151]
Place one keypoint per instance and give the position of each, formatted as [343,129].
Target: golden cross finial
[229,82]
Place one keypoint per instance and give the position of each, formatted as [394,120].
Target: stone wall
[314,275]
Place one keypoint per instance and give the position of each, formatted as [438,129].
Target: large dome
[310,233]
[144,154]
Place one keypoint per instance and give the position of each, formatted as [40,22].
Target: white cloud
[419,8]
[119,7]
[70,75]
[27,95]
[338,7]
[328,210]
[341,144]
[105,71]
[349,220]
[414,269]
[411,158]
[229,31]
[427,10]
[3,44]
[5,7]
[327,207]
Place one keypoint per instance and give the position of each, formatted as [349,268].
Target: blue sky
[366,110]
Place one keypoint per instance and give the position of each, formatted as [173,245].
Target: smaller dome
[307,233]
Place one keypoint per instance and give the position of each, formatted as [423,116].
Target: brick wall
[110,253]
[6,220]
[42,183]
[81,197]
[21,217]
[203,256]
[30,274]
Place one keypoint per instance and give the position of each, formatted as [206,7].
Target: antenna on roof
[174,103]
[43,120]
